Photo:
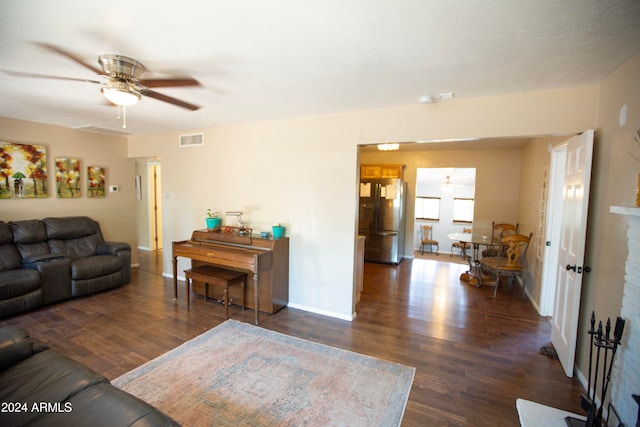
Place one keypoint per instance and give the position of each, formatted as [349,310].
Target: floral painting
[67,177]
[23,171]
[95,181]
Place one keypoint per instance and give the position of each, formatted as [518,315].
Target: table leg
[187,281]
[244,292]
[175,278]
[226,300]
[476,274]
[257,296]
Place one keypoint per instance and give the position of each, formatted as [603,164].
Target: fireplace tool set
[602,342]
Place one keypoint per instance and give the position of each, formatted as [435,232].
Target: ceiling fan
[122,83]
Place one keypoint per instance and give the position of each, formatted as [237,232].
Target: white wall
[303,171]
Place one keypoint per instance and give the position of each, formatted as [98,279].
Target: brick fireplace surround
[626,372]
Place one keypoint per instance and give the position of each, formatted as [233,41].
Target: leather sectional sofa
[54,259]
[41,387]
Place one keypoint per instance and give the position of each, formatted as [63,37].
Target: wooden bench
[210,275]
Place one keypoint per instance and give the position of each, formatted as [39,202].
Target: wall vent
[191,140]
[105,131]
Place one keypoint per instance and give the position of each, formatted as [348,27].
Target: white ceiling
[283,58]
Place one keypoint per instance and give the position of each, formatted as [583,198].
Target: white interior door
[552,225]
[573,228]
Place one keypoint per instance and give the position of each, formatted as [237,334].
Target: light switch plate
[622,117]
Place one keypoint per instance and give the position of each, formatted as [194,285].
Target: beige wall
[614,181]
[114,212]
[303,171]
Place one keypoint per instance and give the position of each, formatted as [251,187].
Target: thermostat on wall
[114,188]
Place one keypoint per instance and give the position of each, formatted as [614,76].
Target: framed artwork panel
[96,178]
[68,178]
[23,171]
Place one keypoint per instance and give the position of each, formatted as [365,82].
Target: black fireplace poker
[600,340]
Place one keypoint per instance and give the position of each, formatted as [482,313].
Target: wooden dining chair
[508,262]
[427,239]
[462,246]
[497,232]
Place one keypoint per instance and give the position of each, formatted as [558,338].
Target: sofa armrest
[56,279]
[55,271]
[15,346]
[121,249]
[29,261]
[112,248]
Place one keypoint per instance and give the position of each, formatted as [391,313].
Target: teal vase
[278,231]
[213,223]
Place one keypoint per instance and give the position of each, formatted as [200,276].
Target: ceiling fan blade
[69,55]
[170,100]
[175,82]
[46,76]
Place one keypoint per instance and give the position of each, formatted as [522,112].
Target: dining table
[472,276]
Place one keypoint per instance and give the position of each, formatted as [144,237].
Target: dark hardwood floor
[474,355]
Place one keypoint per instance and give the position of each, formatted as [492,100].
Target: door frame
[553,220]
[154,205]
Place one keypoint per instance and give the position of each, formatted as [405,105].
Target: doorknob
[571,267]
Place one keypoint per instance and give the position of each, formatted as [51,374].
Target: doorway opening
[444,200]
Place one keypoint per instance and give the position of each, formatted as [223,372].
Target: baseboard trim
[322,312]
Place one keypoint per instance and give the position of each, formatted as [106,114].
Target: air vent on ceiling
[105,131]
[191,140]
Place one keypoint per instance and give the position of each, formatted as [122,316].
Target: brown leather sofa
[54,259]
[42,387]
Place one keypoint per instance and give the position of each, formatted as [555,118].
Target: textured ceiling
[283,58]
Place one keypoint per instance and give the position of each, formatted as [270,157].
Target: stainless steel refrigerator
[381,219]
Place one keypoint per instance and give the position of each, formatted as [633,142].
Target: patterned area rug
[238,374]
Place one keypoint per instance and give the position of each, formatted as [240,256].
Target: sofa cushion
[28,231]
[14,283]
[15,346]
[6,236]
[95,266]
[20,304]
[75,248]
[33,250]
[9,257]
[71,227]
[104,405]
[47,376]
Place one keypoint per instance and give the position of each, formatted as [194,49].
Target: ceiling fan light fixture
[121,94]
[446,188]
